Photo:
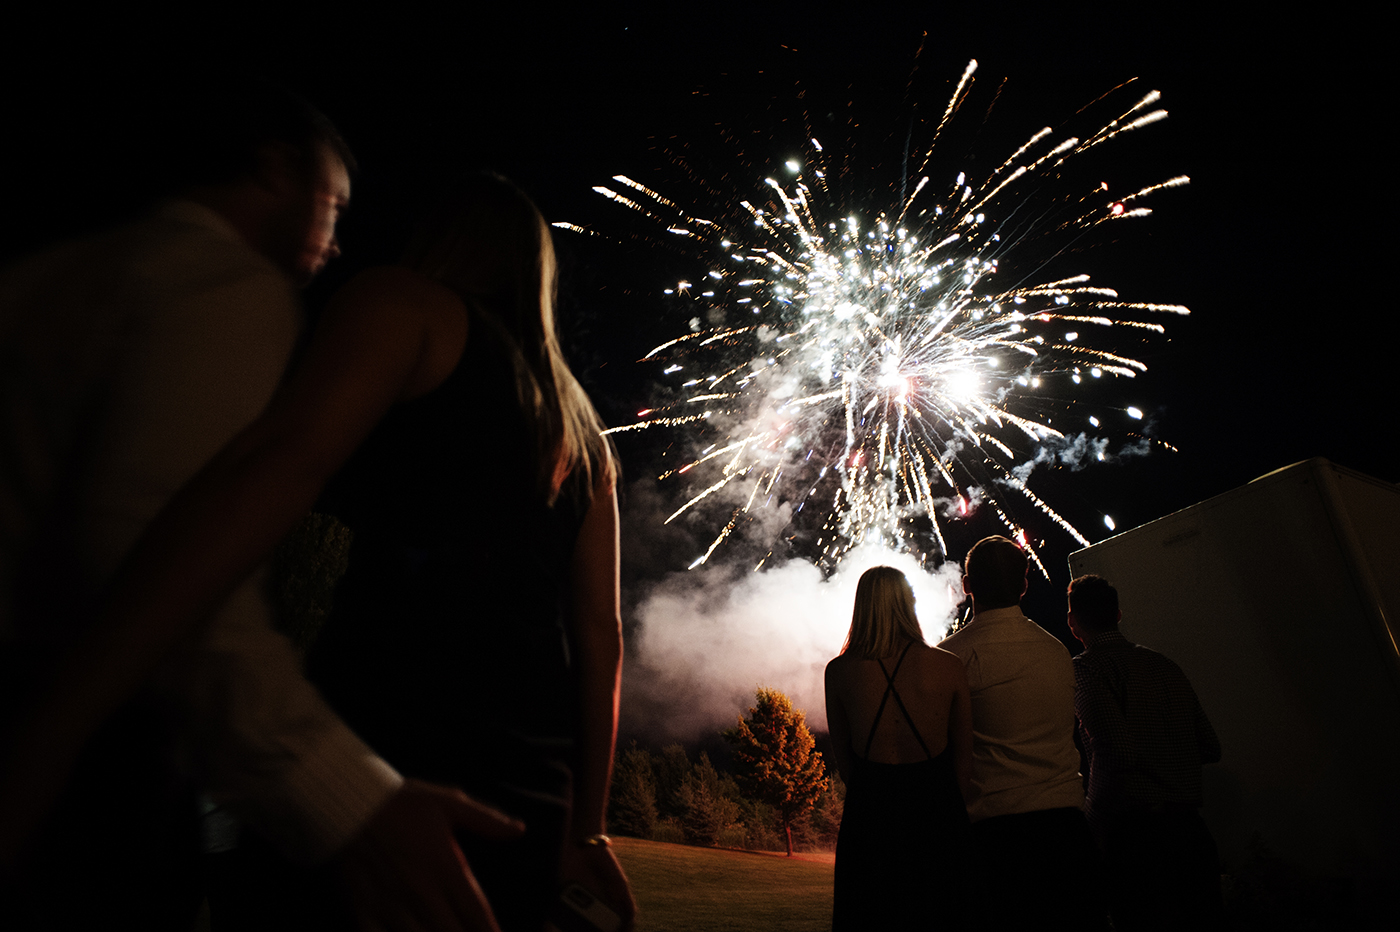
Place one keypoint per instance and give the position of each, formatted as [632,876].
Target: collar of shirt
[997,614]
[1113,638]
[197,214]
[996,617]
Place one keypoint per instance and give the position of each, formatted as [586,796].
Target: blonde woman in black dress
[901,731]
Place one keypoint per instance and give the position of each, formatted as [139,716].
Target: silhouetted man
[1028,831]
[127,359]
[1145,737]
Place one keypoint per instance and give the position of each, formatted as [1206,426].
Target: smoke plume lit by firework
[893,367]
[714,638]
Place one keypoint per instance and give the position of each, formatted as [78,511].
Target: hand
[405,872]
[595,868]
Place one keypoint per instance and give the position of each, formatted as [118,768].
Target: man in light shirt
[127,360]
[1030,840]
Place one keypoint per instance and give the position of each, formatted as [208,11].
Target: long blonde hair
[883,614]
[487,241]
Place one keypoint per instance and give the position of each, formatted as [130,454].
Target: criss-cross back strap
[889,688]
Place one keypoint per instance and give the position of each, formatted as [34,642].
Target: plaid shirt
[1143,730]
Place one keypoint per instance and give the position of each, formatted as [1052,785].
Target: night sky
[1276,246]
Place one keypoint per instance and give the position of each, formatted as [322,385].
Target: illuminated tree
[776,759]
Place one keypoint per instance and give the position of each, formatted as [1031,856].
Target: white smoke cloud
[707,640]
[1077,451]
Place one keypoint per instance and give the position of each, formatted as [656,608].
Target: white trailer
[1281,601]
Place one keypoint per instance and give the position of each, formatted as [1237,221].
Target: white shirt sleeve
[272,749]
[208,338]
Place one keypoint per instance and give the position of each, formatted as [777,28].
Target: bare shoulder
[837,667]
[399,287]
[960,643]
[940,660]
[391,306]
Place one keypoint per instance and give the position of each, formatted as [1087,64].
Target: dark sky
[1275,246]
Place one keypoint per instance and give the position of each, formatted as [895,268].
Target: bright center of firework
[891,376]
[894,380]
[962,386]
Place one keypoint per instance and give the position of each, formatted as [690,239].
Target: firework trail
[875,365]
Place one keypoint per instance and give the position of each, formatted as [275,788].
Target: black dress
[901,855]
[447,649]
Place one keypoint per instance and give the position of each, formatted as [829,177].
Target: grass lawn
[685,889]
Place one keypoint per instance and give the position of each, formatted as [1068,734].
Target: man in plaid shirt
[1145,737]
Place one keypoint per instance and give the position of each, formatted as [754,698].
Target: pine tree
[826,815]
[632,802]
[709,812]
[670,767]
[776,759]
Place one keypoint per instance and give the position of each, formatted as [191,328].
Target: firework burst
[878,365]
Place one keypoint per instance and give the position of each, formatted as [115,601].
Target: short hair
[996,572]
[217,129]
[1094,602]
[883,613]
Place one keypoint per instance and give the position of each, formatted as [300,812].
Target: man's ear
[278,168]
[966,591]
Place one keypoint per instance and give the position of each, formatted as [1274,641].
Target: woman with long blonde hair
[475,638]
[900,718]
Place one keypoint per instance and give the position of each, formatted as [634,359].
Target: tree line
[779,796]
